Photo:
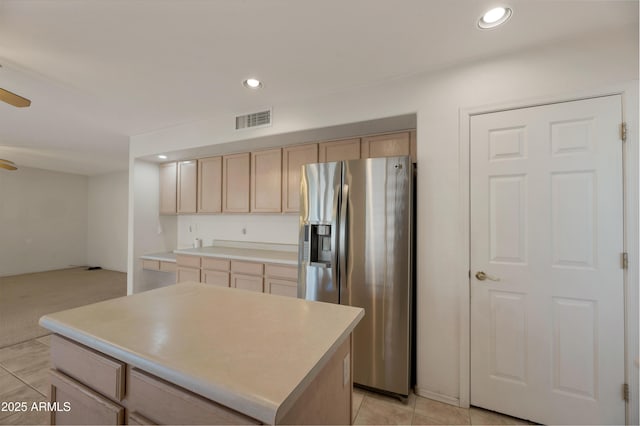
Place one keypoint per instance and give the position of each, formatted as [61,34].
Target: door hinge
[625,391]
[623,132]
[625,260]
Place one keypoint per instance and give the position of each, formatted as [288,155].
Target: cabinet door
[187,182]
[266,181]
[293,158]
[235,183]
[210,185]
[346,149]
[414,145]
[389,145]
[281,287]
[168,188]
[219,278]
[87,407]
[187,274]
[246,282]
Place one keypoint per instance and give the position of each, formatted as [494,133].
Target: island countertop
[252,352]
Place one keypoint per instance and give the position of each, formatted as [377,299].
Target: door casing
[629,94]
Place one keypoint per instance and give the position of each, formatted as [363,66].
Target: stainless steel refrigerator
[356,248]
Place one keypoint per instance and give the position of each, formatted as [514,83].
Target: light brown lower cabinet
[152,400]
[220,278]
[280,279]
[80,405]
[187,274]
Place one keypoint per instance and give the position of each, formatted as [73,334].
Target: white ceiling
[98,71]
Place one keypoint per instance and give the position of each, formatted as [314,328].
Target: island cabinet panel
[293,158]
[235,183]
[168,188]
[210,185]
[346,149]
[87,407]
[138,419]
[164,403]
[187,184]
[266,181]
[327,399]
[100,372]
[389,145]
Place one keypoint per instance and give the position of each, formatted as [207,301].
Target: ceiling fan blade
[7,166]
[13,99]
[6,161]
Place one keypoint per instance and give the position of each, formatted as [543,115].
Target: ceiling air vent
[256,119]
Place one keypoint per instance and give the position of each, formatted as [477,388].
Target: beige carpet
[25,298]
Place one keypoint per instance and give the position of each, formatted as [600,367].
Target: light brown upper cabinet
[346,149]
[389,145]
[293,158]
[210,185]
[187,182]
[266,181]
[414,146]
[235,183]
[168,182]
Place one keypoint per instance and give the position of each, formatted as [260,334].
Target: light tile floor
[371,408]
[24,378]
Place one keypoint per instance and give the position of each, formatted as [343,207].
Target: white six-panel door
[547,320]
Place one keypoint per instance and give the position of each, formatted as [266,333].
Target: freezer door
[376,215]
[318,237]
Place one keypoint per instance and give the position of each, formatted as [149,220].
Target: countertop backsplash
[267,228]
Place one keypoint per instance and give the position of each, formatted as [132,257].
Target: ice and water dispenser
[317,244]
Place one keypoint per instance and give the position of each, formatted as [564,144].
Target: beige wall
[107,221]
[43,220]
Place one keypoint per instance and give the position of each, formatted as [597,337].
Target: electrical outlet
[346,370]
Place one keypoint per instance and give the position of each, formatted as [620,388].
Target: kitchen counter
[248,254]
[162,257]
[254,353]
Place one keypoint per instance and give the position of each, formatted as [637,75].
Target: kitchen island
[197,354]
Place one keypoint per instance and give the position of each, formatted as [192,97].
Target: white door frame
[629,94]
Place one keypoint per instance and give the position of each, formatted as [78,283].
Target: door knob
[480,275]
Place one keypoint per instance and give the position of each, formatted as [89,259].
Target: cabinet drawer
[216,278]
[215,264]
[87,407]
[162,402]
[281,271]
[281,287]
[98,371]
[187,274]
[247,282]
[153,265]
[167,266]
[250,268]
[188,261]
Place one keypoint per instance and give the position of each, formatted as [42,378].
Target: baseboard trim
[437,396]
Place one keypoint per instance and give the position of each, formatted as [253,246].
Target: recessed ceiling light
[494,17]
[252,83]
[162,157]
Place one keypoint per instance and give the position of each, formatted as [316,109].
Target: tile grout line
[24,382]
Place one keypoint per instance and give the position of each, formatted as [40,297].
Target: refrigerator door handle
[344,226]
[335,269]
